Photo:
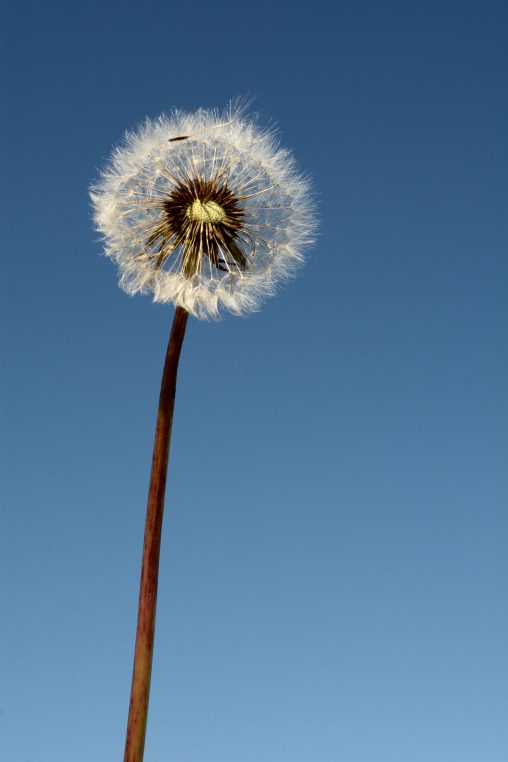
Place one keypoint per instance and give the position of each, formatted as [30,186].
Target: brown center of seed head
[202,220]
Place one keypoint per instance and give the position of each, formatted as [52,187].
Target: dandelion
[206,211]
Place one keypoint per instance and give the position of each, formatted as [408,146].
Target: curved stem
[140,688]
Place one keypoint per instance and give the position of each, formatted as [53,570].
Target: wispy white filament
[275,199]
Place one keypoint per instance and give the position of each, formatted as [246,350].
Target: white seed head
[204,210]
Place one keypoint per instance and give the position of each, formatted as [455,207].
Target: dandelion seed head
[204,210]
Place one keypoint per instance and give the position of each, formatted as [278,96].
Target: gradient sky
[334,557]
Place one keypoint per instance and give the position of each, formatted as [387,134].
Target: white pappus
[204,210]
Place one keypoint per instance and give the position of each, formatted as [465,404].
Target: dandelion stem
[140,689]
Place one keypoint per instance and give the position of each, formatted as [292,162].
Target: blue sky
[333,574]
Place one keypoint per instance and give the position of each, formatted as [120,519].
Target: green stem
[140,689]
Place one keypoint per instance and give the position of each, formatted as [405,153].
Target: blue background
[334,559]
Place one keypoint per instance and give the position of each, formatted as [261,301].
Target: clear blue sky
[334,559]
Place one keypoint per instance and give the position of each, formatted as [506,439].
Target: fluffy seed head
[203,210]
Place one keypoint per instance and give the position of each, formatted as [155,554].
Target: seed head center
[209,212]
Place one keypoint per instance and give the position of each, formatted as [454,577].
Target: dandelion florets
[203,210]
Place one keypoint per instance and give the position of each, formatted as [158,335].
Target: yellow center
[209,212]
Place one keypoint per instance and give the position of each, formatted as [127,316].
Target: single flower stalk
[207,212]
